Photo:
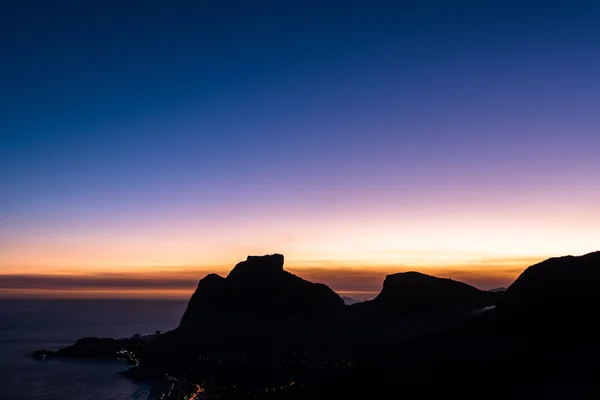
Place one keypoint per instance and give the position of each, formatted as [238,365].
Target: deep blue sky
[118,112]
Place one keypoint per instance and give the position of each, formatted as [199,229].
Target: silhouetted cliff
[259,288]
[258,305]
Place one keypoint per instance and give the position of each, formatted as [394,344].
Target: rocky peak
[258,288]
[258,266]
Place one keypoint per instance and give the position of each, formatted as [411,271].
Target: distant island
[262,332]
[350,300]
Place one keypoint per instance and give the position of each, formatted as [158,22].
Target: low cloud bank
[342,280]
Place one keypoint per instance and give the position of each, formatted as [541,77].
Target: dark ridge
[545,322]
[565,287]
[417,293]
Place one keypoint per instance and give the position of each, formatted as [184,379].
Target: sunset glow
[438,145]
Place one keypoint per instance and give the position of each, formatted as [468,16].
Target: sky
[142,146]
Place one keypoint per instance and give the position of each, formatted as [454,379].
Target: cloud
[96,281]
[484,274]
[345,279]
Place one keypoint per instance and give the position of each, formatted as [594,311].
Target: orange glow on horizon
[350,250]
[96,294]
[346,278]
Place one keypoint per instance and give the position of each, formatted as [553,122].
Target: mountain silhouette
[261,326]
[567,285]
[542,331]
[544,322]
[259,288]
[550,307]
[258,305]
[417,293]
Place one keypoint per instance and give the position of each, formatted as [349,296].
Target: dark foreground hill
[543,332]
[558,287]
[262,324]
[262,332]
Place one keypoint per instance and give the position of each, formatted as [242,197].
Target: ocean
[29,325]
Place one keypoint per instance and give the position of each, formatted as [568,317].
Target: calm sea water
[29,325]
